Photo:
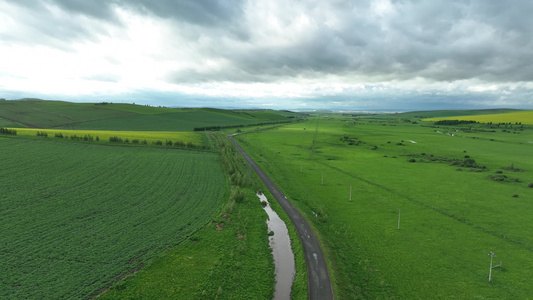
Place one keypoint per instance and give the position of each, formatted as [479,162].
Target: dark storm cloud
[206,13]
[437,40]
[57,24]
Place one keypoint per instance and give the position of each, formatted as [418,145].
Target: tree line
[8,131]
[216,128]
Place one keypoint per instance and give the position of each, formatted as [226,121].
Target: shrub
[58,135]
[500,178]
[115,139]
[515,195]
[512,168]
[237,195]
[530,185]
[135,141]
[169,143]
[8,131]
[412,160]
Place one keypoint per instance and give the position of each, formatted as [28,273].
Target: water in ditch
[282,252]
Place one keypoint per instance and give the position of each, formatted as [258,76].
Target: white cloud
[271,51]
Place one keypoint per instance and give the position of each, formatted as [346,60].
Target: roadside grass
[138,137]
[77,217]
[450,219]
[522,117]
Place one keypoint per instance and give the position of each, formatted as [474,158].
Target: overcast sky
[353,55]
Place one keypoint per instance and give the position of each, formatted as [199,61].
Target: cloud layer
[349,54]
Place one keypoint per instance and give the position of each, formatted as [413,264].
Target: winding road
[319,282]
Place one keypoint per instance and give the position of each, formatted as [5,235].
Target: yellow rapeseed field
[104,135]
[523,117]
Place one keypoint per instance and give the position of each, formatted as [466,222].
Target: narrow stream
[282,252]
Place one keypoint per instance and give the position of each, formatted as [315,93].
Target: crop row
[75,217]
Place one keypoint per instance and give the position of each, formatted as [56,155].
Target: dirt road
[319,282]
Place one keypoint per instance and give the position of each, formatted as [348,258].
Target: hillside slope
[36,113]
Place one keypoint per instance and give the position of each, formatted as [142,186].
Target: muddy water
[282,252]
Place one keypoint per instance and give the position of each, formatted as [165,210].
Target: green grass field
[452,216]
[127,117]
[77,217]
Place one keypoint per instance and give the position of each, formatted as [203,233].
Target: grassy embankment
[453,211]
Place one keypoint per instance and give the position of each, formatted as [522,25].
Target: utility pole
[350,192]
[322,182]
[399,211]
[491,254]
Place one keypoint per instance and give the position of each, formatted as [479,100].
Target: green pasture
[47,114]
[77,217]
[452,216]
[35,113]
[175,121]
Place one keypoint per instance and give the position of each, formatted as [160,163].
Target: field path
[319,281]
